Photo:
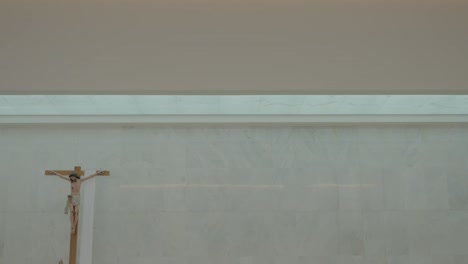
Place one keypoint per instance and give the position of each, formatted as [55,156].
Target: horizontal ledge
[231,119]
[289,91]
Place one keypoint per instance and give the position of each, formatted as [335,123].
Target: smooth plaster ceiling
[233,47]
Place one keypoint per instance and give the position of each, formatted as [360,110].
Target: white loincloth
[75,199]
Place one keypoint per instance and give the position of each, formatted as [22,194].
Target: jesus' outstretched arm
[60,175]
[92,176]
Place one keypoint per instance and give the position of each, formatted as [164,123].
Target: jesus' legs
[76,215]
[70,206]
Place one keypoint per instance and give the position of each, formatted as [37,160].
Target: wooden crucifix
[73,202]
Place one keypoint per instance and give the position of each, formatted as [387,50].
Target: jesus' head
[73,177]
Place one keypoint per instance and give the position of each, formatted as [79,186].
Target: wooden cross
[73,200]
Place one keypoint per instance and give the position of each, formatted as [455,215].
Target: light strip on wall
[227,105]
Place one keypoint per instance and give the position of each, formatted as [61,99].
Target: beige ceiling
[233,46]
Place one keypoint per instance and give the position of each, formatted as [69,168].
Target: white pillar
[85,248]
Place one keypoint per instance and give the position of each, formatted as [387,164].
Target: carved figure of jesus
[73,201]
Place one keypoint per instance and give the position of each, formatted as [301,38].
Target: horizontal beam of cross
[77,170]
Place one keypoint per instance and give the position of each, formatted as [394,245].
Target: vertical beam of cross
[74,235]
[88,191]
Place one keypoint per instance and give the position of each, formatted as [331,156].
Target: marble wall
[239,195]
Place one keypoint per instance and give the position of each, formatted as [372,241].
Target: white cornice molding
[235,119]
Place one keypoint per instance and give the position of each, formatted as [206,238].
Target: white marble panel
[458,232]
[457,188]
[106,238]
[398,259]
[350,189]
[372,188]
[206,234]
[240,195]
[429,233]
[173,228]
[18,236]
[205,198]
[351,234]
[252,197]
[396,233]
[2,234]
[207,155]
[22,194]
[108,196]
[394,187]
[375,234]
[175,199]
[426,188]
[310,189]
[316,234]
[460,259]
[48,240]
[4,184]
[251,234]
